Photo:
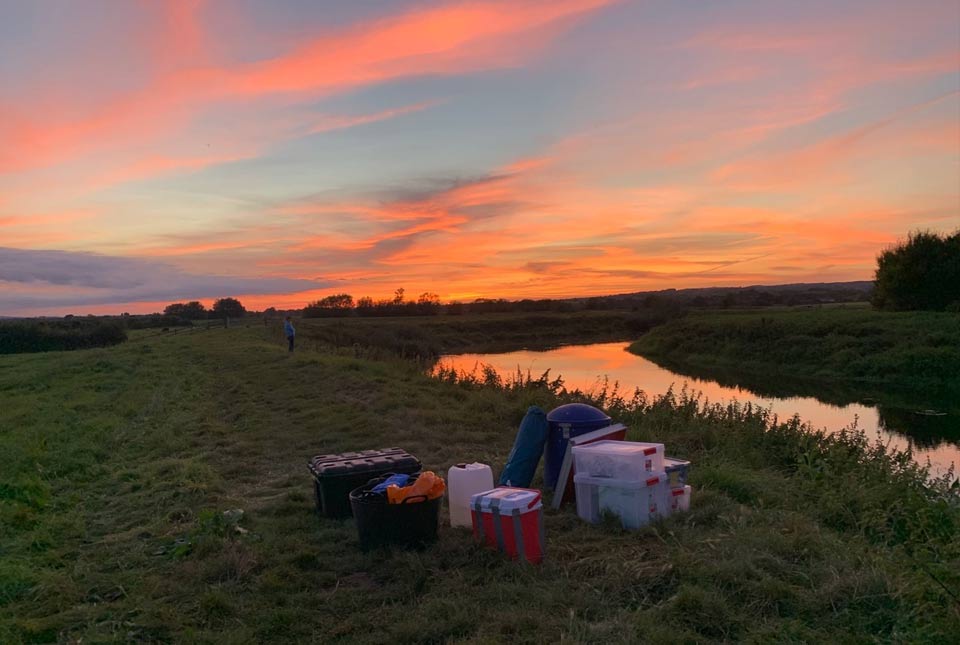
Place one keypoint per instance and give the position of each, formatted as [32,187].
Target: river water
[933,438]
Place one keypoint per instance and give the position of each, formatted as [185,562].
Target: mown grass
[912,351]
[118,466]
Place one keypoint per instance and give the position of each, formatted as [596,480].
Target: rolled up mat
[525,456]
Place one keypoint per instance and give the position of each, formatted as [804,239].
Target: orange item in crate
[428,485]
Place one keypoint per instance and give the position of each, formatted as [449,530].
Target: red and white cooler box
[510,520]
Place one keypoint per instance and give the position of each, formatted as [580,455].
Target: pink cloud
[455,39]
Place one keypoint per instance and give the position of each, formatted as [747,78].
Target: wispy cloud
[441,40]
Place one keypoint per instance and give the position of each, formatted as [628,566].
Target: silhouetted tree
[228,308]
[428,303]
[340,304]
[192,310]
[921,273]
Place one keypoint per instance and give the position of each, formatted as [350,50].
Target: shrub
[50,336]
[192,310]
[228,308]
[921,273]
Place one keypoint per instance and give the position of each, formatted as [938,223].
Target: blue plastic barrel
[567,421]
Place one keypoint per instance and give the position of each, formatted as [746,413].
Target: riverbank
[118,464]
[916,352]
[430,336]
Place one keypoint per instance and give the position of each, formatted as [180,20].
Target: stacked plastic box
[630,479]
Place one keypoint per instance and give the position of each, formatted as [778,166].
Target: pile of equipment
[396,503]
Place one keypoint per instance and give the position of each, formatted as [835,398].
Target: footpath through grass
[117,467]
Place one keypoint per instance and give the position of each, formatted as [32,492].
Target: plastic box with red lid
[510,520]
[625,460]
[635,502]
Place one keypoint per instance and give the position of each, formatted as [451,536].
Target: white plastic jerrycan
[464,480]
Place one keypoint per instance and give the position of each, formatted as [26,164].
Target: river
[933,438]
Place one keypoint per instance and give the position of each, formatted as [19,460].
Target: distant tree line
[23,336]
[428,304]
[342,304]
[194,310]
[921,273]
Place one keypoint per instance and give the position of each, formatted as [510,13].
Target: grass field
[117,467]
[908,351]
[429,336]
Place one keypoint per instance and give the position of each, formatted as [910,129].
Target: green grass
[907,351]
[429,336]
[117,465]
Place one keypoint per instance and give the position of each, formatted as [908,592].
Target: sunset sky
[152,152]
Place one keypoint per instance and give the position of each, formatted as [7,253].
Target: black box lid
[364,461]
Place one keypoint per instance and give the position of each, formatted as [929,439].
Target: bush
[51,336]
[335,306]
[228,308]
[192,310]
[921,273]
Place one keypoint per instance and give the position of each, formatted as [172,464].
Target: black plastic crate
[411,524]
[334,476]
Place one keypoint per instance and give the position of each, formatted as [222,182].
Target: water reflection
[893,415]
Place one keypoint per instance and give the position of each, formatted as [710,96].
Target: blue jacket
[288,329]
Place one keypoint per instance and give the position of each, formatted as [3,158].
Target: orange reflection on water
[586,366]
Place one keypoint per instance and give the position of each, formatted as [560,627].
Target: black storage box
[411,524]
[336,475]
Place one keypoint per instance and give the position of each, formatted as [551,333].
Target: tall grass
[122,471]
[854,484]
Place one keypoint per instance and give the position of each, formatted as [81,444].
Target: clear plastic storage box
[625,460]
[635,502]
[677,470]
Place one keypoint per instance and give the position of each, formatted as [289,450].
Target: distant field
[430,336]
[117,464]
[909,350]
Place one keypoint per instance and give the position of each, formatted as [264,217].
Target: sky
[281,151]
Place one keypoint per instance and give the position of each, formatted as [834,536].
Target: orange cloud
[459,38]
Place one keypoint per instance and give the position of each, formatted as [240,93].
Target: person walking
[289,331]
